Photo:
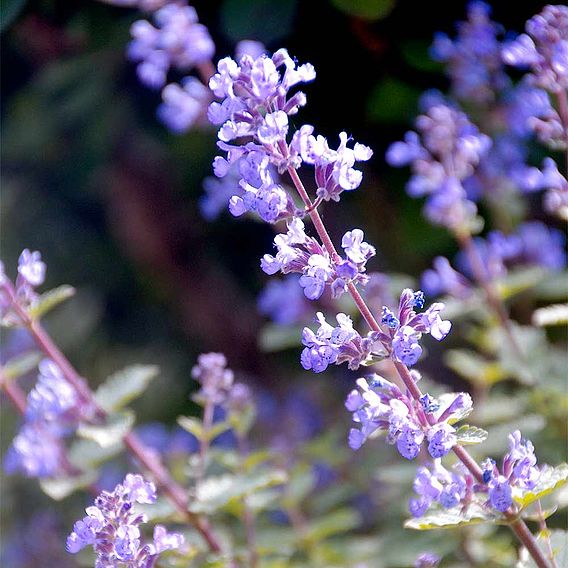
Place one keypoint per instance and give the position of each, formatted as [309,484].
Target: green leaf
[333,523]
[469,435]
[550,479]
[124,386]
[61,487]
[520,280]
[49,300]
[474,367]
[553,287]
[21,365]
[112,432]
[192,425]
[392,101]
[558,541]
[366,9]
[9,11]
[86,454]
[161,510]
[451,518]
[216,493]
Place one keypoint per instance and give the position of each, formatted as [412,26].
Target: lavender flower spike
[111,527]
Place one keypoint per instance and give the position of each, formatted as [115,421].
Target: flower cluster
[532,244]
[473,59]
[379,406]
[255,108]
[543,49]
[176,40]
[340,344]
[443,154]
[296,252]
[519,472]
[53,411]
[217,382]
[111,527]
[31,274]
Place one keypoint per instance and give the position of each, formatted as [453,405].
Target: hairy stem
[145,456]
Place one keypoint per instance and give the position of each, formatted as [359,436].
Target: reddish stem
[518,526]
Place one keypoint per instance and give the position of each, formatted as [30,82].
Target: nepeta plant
[458,163]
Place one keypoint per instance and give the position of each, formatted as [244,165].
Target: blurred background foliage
[92,180]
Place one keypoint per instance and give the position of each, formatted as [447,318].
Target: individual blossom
[175,40]
[379,406]
[543,49]
[335,345]
[473,59]
[297,252]
[111,527]
[443,154]
[406,328]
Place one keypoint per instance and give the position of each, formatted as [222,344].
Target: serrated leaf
[468,435]
[124,386]
[218,492]
[87,454]
[550,479]
[112,432]
[192,425]
[20,365]
[49,300]
[451,518]
[62,487]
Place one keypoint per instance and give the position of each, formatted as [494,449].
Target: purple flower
[111,527]
[406,348]
[441,439]
[443,279]
[409,442]
[183,105]
[31,268]
[500,494]
[427,560]
[215,379]
[443,155]
[52,397]
[473,60]
[177,40]
[37,451]
[543,49]
[283,301]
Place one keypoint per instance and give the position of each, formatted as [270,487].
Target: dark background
[92,179]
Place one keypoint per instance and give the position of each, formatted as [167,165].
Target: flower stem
[518,526]
[175,492]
